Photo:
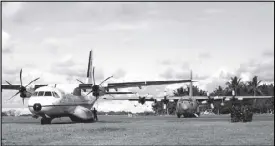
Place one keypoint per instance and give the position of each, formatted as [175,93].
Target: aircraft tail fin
[90,68]
[191,85]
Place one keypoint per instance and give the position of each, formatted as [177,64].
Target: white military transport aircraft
[70,100]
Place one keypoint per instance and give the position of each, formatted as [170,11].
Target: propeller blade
[29,92]
[212,106]
[32,81]
[23,100]
[89,93]
[9,83]
[80,81]
[105,80]
[14,95]
[21,77]
[111,95]
[94,74]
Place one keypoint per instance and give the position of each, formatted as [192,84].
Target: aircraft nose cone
[184,107]
[37,107]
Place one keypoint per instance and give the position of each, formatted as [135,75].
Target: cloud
[11,8]
[53,44]
[204,55]
[264,69]
[166,62]
[120,73]
[7,44]
[126,26]
[185,66]
[72,70]
[213,11]
[214,83]
[268,53]
[168,74]
[66,61]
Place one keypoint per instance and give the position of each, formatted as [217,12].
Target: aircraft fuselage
[187,107]
[52,102]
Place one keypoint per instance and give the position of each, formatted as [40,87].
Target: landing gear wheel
[178,115]
[45,121]
[185,115]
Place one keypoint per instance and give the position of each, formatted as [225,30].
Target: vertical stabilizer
[191,85]
[90,68]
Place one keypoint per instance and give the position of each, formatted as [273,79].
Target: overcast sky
[136,41]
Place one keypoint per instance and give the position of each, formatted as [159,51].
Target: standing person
[95,114]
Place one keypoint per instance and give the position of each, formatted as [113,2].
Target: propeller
[22,89]
[165,100]
[210,100]
[141,99]
[97,88]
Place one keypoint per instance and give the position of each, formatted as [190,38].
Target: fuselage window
[40,93]
[55,95]
[48,93]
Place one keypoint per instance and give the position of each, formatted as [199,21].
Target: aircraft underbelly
[83,113]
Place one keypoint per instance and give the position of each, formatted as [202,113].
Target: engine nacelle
[204,102]
[141,100]
[240,98]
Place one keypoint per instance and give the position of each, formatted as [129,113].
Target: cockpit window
[40,93]
[55,95]
[35,94]
[48,93]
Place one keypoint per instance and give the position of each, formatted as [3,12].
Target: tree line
[250,88]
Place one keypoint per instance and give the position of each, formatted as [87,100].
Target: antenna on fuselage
[191,85]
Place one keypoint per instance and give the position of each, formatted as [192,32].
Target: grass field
[147,130]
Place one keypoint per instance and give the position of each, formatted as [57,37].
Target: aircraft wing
[17,87]
[130,99]
[245,97]
[143,83]
[202,98]
[10,87]
[120,93]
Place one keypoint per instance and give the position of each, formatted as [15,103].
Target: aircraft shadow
[111,121]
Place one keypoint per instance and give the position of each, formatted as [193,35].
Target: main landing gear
[186,115]
[45,121]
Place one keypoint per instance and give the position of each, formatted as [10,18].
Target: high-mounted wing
[140,99]
[244,97]
[130,99]
[143,83]
[119,93]
[10,87]
[17,87]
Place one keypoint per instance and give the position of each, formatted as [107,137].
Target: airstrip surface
[140,130]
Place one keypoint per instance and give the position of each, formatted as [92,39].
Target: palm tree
[219,91]
[254,86]
[234,84]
